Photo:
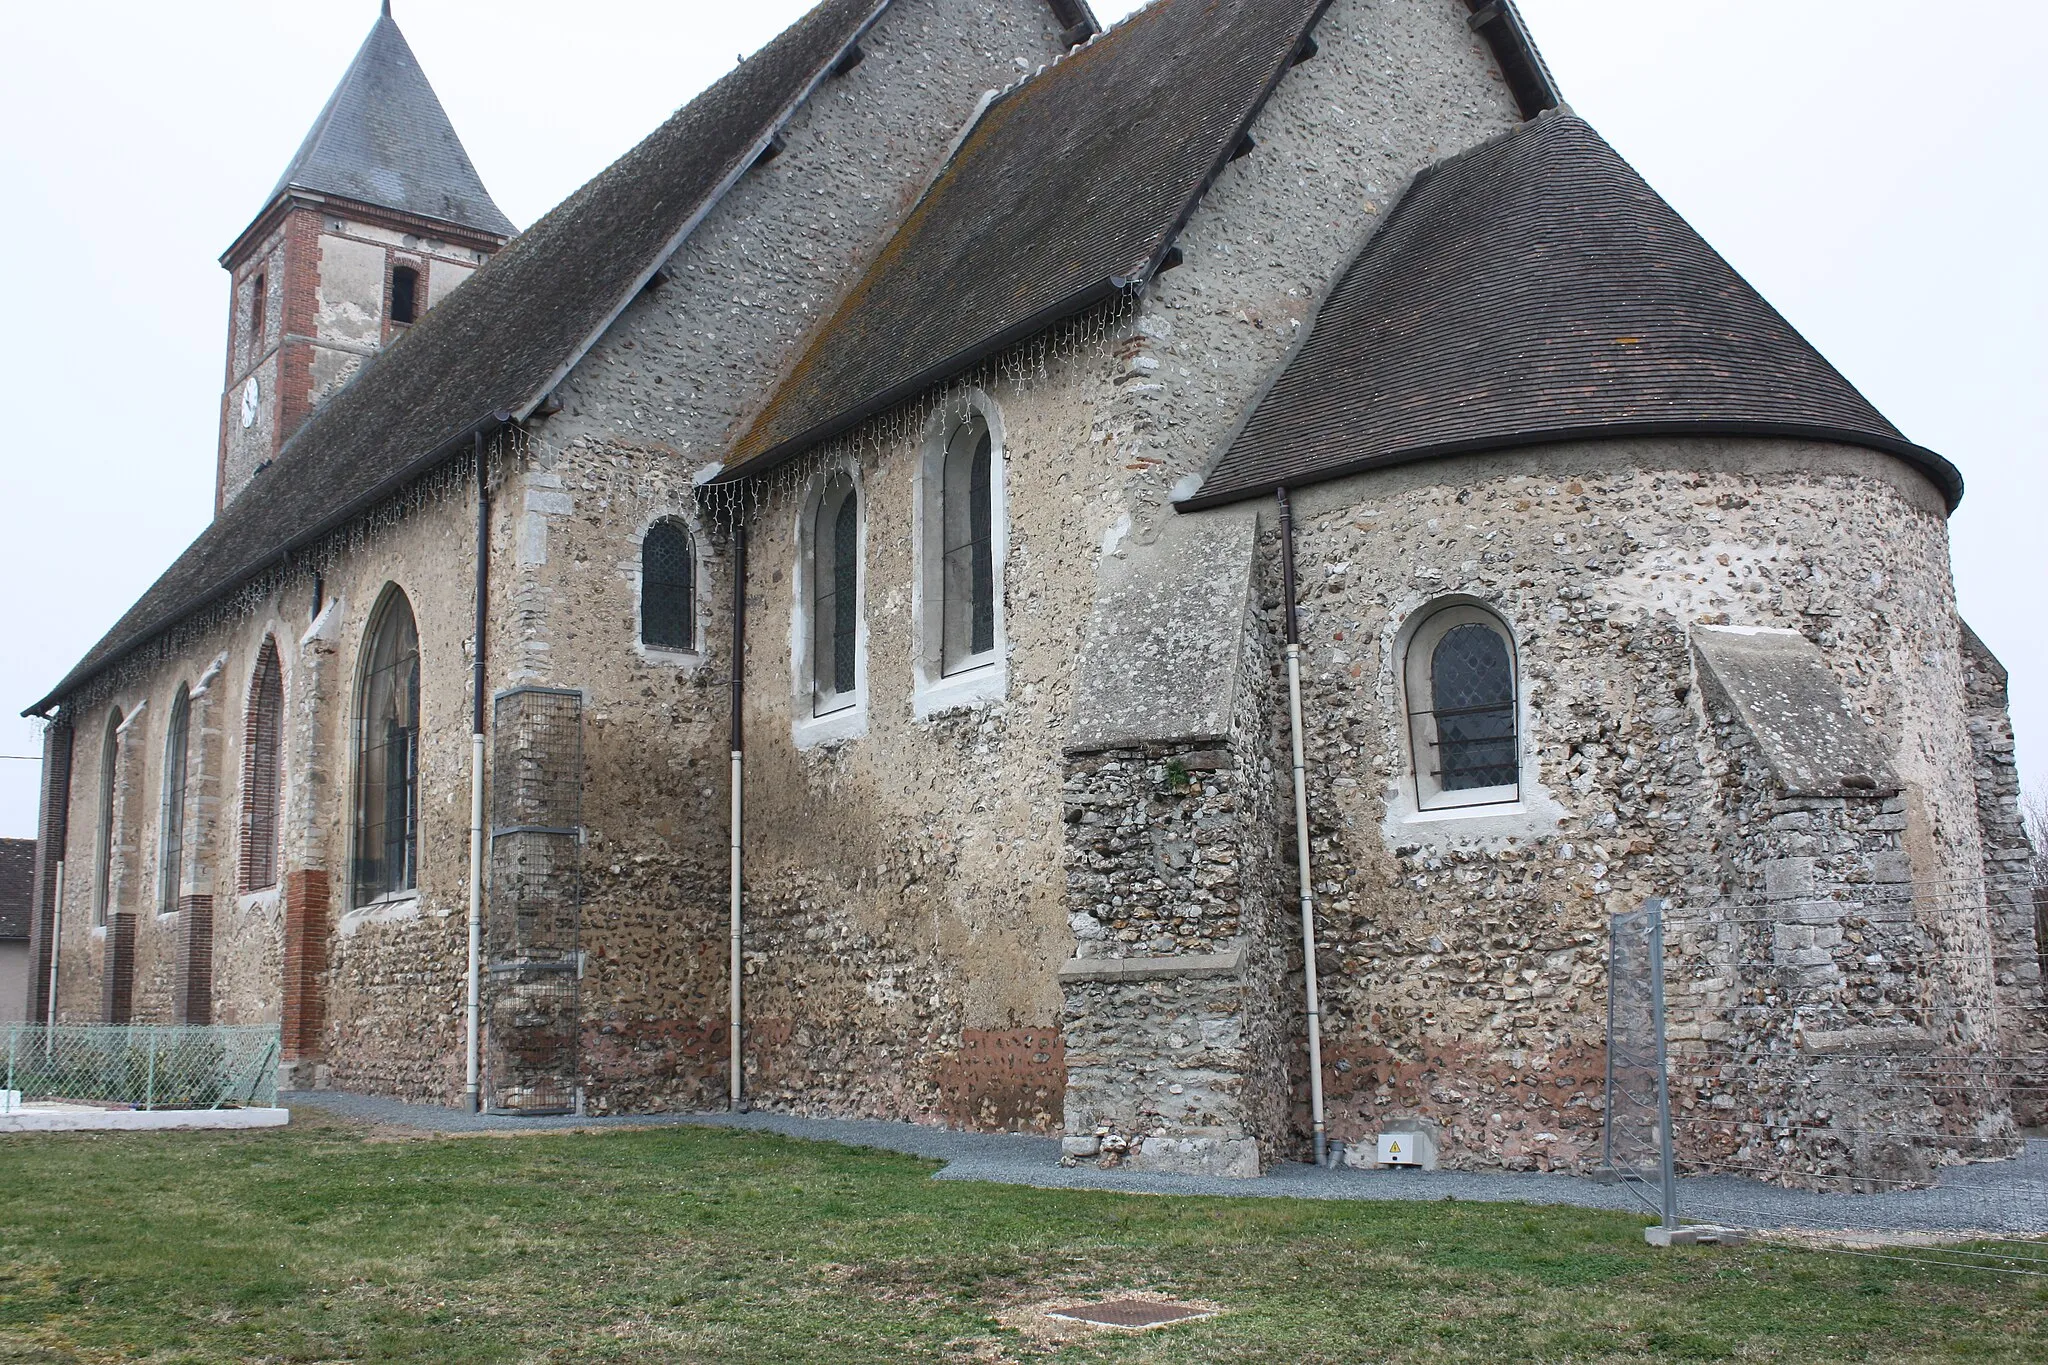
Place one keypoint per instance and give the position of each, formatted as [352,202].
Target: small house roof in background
[17,886]
[1536,289]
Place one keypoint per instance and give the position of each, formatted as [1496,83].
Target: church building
[1157,586]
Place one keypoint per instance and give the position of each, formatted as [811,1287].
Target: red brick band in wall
[117,980]
[192,1002]
[305,961]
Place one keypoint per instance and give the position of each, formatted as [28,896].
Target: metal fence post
[1665,1140]
[149,1088]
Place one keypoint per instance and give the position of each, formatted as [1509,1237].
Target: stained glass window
[170,868]
[836,607]
[388,756]
[668,587]
[1472,693]
[968,547]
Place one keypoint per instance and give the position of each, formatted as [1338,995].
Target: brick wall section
[52,839]
[192,991]
[306,933]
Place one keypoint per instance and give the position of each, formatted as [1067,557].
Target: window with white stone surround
[828,636]
[960,536]
[1461,683]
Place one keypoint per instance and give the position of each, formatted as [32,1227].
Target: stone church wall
[1465,970]
[655,402]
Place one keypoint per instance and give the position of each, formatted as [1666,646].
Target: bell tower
[379,215]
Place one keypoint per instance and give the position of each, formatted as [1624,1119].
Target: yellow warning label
[1394,1148]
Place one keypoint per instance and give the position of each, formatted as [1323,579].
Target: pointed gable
[501,343]
[1536,289]
[385,140]
[1068,189]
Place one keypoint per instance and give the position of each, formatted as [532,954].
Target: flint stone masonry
[1159,664]
[1779,683]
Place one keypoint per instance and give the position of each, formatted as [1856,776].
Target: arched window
[835,603]
[967,548]
[170,861]
[668,587]
[103,851]
[262,770]
[388,755]
[405,294]
[1462,703]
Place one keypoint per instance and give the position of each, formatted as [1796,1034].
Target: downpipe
[1301,848]
[736,1095]
[472,1047]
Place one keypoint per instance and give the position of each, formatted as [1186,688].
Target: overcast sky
[1878,179]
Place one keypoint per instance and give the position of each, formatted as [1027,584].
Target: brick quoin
[117,981]
[192,997]
[305,961]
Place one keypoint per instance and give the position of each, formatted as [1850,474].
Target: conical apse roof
[1536,289]
[384,139]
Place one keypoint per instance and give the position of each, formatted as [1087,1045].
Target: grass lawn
[331,1242]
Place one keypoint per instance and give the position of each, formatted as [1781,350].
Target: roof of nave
[1071,187]
[1536,289]
[384,139]
[17,883]
[499,344]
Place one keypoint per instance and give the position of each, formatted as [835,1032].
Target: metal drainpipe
[56,943]
[472,1043]
[1308,900]
[735,1087]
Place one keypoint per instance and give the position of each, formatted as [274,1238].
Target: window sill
[387,910]
[659,657]
[970,687]
[1534,816]
[836,727]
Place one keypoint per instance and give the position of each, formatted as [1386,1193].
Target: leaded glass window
[835,609]
[388,755]
[1473,695]
[668,587]
[170,862]
[967,524]
[1461,683]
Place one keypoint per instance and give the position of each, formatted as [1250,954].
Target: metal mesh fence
[1891,1111]
[1636,1145]
[532,1010]
[149,1066]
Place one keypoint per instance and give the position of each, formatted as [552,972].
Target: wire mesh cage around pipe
[532,1030]
[537,759]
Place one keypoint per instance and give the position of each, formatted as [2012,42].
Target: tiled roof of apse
[1536,289]
[1070,187]
[384,139]
[501,342]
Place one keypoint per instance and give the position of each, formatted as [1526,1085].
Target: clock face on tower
[250,396]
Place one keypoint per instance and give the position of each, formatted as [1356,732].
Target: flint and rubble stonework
[964,916]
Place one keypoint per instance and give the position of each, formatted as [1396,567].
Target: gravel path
[2003,1197]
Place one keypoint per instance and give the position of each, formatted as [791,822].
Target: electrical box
[1407,1148]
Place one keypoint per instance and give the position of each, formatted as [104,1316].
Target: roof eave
[354,508]
[1946,478]
[784,451]
[1514,51]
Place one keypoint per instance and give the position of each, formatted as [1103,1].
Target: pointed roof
[500,344]
[1070,188]
[384,139]
[1536,289]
